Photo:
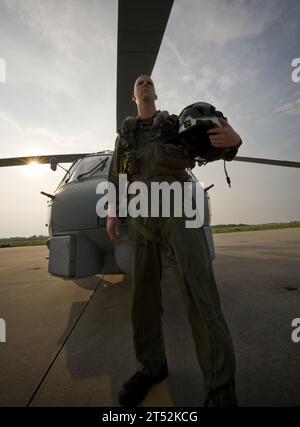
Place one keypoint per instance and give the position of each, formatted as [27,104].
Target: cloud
[69,25]
[203,77]
[56,45]
[43,135]
[199,81]
[219,22]
[291,108]
[61,63]
[10,120]
[195,46]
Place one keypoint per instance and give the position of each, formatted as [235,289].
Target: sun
[33,168]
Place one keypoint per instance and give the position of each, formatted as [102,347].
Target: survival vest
[153,148]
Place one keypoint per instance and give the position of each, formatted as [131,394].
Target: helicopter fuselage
[79,245]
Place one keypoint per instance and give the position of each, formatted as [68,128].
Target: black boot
[136,388]
[222,396]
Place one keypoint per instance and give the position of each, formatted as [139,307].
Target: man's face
[144,90]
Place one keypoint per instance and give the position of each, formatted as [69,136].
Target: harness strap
[150,235]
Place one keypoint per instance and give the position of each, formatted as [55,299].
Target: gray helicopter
[78,243]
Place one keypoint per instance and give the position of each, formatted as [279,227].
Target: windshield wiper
[100,166]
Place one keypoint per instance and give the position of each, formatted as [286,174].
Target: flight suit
[189,254]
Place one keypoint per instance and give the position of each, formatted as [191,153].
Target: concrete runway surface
[68,342]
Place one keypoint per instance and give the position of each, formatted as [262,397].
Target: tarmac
[69,342]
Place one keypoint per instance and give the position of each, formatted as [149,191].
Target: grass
[13,244]
[10,243]
[275,226]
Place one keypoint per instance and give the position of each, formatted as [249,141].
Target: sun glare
[33,168]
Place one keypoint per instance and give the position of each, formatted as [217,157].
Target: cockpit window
[88,167]
[91,166]
[99,166]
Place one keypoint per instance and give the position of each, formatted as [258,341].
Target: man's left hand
[224,137]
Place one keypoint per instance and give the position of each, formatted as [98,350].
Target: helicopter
[78,243]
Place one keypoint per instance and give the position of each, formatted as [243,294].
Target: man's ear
[155,96]
[133,98]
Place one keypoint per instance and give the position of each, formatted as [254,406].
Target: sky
[60,96]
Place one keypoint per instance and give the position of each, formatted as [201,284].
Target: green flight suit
[189,254]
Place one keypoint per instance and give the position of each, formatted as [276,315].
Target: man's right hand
[112,228]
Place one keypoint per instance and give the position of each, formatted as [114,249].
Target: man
[135,154]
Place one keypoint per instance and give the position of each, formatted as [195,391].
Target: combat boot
[136,388]
[224,396]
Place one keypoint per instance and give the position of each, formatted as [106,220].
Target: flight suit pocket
[175,157]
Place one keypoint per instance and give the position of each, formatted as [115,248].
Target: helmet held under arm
[194,122]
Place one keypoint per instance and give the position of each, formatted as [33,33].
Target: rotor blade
[141,26]
[285,163]
[21,161]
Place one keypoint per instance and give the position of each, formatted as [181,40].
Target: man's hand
[224,137]
[112,228]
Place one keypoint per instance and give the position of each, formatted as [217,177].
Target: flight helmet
[194,121]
